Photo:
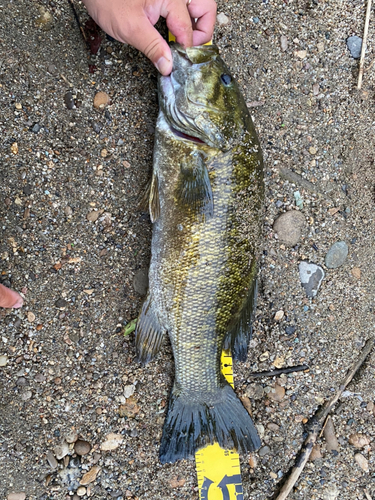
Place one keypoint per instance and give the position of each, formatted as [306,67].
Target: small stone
[247,404]
[81,491]
[279,315]
[320,46]
[356,272]
[68,211]
[316,91]
[35,128]
[26,395]
[279,362]
[21,382]
[90,476]
[61,450]
[265,450]
[69,101]
[112,442]
[97,127]
[288,227]
[45,19]
[311,276]
[61,303]
[103,153]
[222,19]
[101,100]
[27,190]
[140,281]
[175,482]
[330,492]
[330,436]
[14,148]
[354,44]
[254,391]
[93,216]
[3,360]
[312,150]
[359,440]
[30,317]
[370,406]
[315,453]
[252,461]
[260,429]
[273,475]
[264,356]
[361,461]
[71,436]
[284,43]
[129,390]
[18,105]
[16,496]
[39,377]
[301,54]
[277,393]
[82,447]
[51,460]
[273,427]
[130,409]
[289,330]
[336,255]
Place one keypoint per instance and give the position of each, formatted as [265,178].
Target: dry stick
[316,422]
[364,42]
[279,371]
[78,21]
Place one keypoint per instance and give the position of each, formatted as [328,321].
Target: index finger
[179,22]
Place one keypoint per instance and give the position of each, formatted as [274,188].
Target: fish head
[200,98]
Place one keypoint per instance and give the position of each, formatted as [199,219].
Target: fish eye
[226,79]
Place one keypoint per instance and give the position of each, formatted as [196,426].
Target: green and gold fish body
[206,203]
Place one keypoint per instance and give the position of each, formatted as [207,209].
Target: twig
[364,42]
[315,424]
[78,21]
[367,494]
[279,371]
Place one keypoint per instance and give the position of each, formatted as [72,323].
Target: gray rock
[336,255]
[311,277]
[3,360]
[69,101]
[82,447]
[60,303]
[354,44]
[61,450]
[17,496]
[140,281]
[51,459]
[289,227]
[35,128]
[265,450]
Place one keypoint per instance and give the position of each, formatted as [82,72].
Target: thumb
[149,41]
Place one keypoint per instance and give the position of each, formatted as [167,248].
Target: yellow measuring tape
[218,470]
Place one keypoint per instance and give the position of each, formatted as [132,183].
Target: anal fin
[148,333]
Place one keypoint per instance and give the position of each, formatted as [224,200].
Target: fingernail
[18,304]
[163,66]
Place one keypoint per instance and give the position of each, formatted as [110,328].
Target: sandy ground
[67,367]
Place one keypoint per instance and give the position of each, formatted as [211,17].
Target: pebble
[61,450]
[68,211]
[82,447]
[71,437]
[356,272]
[39,377]
[315,453]
[289,330]
[51,460]
[354,44]
[35,128]
[101,100]
[311,276]
[312,150]
[359,440]
[279,315]
[284,43]
[18,105]
[361,461]
[247,404]
[60,303]
[222,19]
[81,491]
[90,476]
[277,393]
[130,409]
[112,442]
[93,216]
[16,496]
[265,450]
[330,436]
[264,356]
[129,390]
[336,255]
[3,360]
[301,54]
[30,317]
[175,482]
[97,127]
[330,492]
[288,227]
[27,190]
[26,395]
[255,391]
[69,101]
[273,427]
[14,148]
[140,281]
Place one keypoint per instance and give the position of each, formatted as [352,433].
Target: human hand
[132,22]
[9,298]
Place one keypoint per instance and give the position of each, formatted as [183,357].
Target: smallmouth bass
[205,203]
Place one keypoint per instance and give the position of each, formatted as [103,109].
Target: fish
[206,205]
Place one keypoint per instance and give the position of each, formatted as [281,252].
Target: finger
[148,40]
[179,21]
[9,298]
[205,24]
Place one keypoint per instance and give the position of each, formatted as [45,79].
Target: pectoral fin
[194,187]
[148,333]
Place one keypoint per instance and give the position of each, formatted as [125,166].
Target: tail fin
[191,425]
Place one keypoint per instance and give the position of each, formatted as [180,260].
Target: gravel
[317,135]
